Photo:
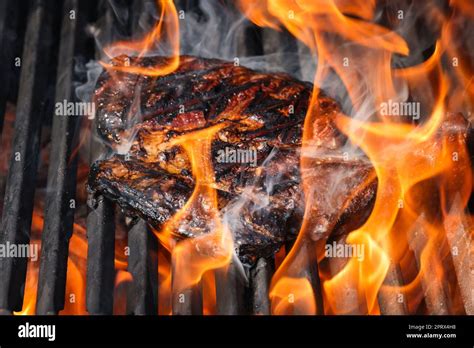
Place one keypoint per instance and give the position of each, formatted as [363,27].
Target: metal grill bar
[11,43]
[9,27]
[460,243]
[230,291]
[388,301]
[101,222]
[143,265]
[100,258]
[4,7]
[260,277]
[19,193]
[59,211]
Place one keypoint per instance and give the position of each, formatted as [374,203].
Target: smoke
[92,70]
[215,29]
[209,29]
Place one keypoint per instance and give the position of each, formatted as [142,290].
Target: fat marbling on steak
[263,114]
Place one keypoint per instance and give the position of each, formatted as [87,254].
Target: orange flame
[293,296]
[420,185]
[75,281]
[75,294]
[164,279]
[206,251]
[165,33]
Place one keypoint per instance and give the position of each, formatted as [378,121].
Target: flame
[123,277]
[29,297]
[164,280]
[407,159]
[75,294]
[209,293]
[75,281]
[292,296]
[423,168]
[76,273]
[211,246]
[164,38]
[327,27]
[316,23]
[165,33]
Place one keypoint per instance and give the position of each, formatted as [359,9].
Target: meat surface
[261,115]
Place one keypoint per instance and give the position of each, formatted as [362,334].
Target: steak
[255,154]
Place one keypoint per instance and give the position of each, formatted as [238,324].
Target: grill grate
[61,186]
[39,53]
[43,71]
[31,109]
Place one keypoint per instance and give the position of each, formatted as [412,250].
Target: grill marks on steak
[264,205]
[200,92]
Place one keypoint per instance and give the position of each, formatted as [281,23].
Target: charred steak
[261,198]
